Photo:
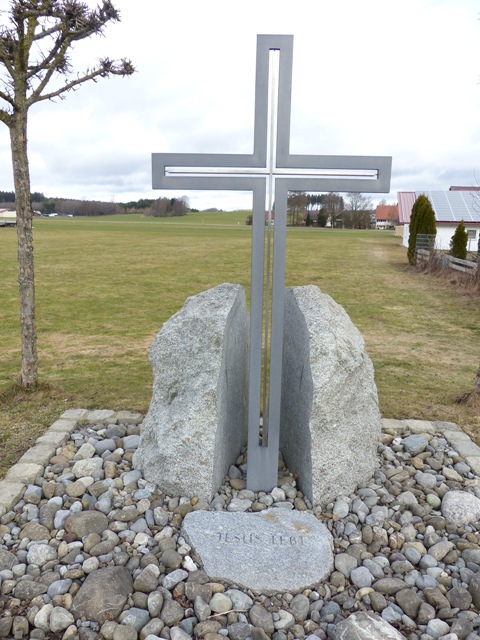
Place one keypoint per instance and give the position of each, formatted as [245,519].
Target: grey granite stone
[415,444]
[267,552]
[7,560]
[330,423]
[83,468]
[366,626]
[196,424]
[103,594]
[460,508]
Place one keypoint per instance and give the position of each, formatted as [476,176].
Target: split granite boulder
[196,424]
[330,424]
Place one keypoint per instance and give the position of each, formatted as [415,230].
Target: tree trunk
[23,205]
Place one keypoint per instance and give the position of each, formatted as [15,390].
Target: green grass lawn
[105,286]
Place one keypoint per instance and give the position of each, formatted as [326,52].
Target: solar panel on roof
[454,206]
[472,203]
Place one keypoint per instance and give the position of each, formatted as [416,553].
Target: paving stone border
[33,461]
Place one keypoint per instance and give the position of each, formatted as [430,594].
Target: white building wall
[444,235]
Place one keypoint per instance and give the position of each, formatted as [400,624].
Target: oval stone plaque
[268,552]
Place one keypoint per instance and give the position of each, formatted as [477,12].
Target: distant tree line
[162,207]
[9,197]
[80,207]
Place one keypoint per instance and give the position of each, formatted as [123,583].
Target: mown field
[105,286]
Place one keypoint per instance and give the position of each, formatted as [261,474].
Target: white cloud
[369,78]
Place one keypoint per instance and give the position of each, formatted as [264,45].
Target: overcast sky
[375,77]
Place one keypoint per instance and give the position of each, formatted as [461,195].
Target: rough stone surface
[196,424]
[366,626]
[85,522]
[460,507]
[39,554]
[330,424]
[103,594]
[267,552]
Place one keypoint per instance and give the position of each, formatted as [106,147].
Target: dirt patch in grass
[65,345]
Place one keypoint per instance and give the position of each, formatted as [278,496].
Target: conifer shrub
[412,238]
[422,221]
[458,243]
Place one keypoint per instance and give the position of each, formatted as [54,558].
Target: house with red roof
[386,216]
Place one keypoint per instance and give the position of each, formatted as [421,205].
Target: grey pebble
[173,578]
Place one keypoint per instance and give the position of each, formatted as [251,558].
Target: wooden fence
[446,261]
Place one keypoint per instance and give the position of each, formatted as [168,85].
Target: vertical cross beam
[271,171]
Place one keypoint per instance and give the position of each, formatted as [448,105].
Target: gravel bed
[91,550]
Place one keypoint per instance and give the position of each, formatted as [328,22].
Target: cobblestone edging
[33,462]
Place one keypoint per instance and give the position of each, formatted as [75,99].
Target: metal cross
[270,173]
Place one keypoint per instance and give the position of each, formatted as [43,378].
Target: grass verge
[105,286]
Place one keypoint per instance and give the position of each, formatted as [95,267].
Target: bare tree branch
[44,33]
[7,98]
[58,63]
[102,72]
[5,116]
[6,50]
[47,62]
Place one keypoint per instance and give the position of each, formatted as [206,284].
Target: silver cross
[270,173]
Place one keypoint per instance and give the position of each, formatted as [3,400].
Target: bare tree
[34,66]
[296,207]
[358,211]
[169,207]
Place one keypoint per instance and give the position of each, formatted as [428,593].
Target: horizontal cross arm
[381,163]
[379,183]
[160,162]
[328,184]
